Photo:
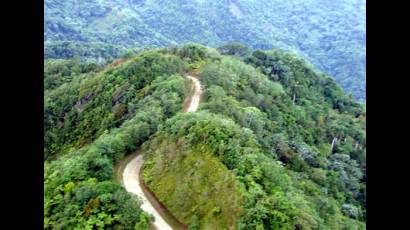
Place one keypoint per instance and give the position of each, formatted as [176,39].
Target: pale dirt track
[130,176]
[193,106]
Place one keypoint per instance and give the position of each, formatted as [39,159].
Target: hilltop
[281,142]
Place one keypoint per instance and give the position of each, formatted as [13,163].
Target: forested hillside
[91,122]
[274,145]
[329,34]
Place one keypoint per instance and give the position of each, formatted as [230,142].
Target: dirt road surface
[131,172]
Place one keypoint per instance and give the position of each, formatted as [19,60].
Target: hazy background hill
[330,34]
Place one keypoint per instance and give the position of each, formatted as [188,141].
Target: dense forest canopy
[274,145]
[329,34]
[91,122]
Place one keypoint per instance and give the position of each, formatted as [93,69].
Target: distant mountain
[330,34]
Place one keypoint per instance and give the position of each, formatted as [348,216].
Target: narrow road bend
[130,175]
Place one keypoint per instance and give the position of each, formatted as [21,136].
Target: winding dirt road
[130,175]
[193,106]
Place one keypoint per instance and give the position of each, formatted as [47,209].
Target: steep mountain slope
[282,143]
[330,34]
[83,108]
[79,191]
[253,123]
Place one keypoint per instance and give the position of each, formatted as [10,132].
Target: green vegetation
[274,145]
[60,71]
[78,189]
[94,51]
[182,179]
[83,108]
[273,199]
[273,111]
[330,34]
[89,204]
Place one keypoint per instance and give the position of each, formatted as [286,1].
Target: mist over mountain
[329,34]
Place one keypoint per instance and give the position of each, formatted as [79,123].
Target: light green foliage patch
[193,182]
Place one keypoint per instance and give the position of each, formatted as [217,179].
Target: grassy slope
[192,181]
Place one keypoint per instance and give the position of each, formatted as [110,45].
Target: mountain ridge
[286,141]
[331,35]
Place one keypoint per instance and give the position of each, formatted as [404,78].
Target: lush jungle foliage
[294,141]
[79,191]
[85,105]
[274,145]
[330,34]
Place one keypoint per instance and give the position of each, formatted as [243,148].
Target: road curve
[193,106]
[130,175]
